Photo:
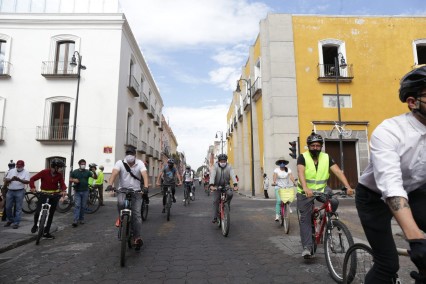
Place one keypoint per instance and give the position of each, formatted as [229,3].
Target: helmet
[56,163]
[11,165]
[222,157]
[92,165]
[170,161]
[314,138]
[412,83]
[188,167]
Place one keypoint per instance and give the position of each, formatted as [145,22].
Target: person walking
[80,178]
[265,185]
[17,179]
[11,165]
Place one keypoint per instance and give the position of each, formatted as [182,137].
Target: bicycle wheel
[358,261]
[193,194]
[124,233]
[65,204]
[226,220]
[29,205]
[286,217]
[337,241]
[41,225]
[144,210]
[168,206]
[93,203]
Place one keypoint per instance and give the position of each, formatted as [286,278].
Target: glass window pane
[23,6]
[52,6]
[7,6]
[38,6]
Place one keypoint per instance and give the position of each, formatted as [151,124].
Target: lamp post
[337,67]
[80,67]
[238,90]
[221,139]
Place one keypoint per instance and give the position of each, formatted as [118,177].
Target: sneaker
[34,229]
[48,236]
[214,220]
[306,253]
[8,224]
[291,211]
[190,194]
[174,199]
[15,226]
[81,222]
[164,210]
[184,201]
[138,244]
[117,222]
[74,224]
[277,218]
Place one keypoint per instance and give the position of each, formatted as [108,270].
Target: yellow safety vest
[316,179]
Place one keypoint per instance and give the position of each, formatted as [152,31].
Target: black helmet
[170,161]
[412,83]
[56,163]
[314,138]
[222,157]
[11,165]
[92,165]
[188,167]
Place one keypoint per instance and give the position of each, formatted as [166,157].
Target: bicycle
[29,204]
[92,205]
[328,229]
[144,207]
[359,260]
[206,188]
[341,130]
[169,201]
[286,196]
[44,215]
[186,193]
[224,218]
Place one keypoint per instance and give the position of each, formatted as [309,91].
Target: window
[330,101]
[2,56]
[59,124]
[328,50]
[419,50]
[64,53]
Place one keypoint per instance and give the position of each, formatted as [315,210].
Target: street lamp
[337,67]
[238,90]
[80,67]
[221,138]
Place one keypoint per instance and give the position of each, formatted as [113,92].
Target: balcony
[160,127]
[5,69]
[54,134]
[157,120]
[150,151]
[133,86]
[246,102]
[143,100]
[166,151]
[156,155]
[256,89]
[326,73]
[151,112]
[141,147]
[235,121]
[240,114]
[58,69]
[131,140]
[2,133]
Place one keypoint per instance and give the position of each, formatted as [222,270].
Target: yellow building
[292,71]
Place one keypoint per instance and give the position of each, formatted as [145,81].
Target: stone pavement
[11,238]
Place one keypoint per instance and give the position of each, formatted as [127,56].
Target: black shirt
[301,161]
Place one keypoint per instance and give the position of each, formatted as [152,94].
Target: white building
[119,104]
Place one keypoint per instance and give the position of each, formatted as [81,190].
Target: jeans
[136,211]
[16,197]
[375,217]
[216,199]
[80,199]
[53,201]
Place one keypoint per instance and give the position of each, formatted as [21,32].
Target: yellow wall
[380,49]
[230,140]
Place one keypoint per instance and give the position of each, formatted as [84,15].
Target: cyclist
[52,182]
[131,173]
[221,175]
[199,180]
[313,168]
[206,178]
[168,177]
[188,179]
[281,179]
[394,184]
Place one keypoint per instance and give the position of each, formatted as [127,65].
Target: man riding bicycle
[52,182]
[221,175]
[188,179]
[313,168]
[394,184]
[168,177]
[131,172]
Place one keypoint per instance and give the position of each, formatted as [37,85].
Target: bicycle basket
[286,194]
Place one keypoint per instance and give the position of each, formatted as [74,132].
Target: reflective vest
[316,179]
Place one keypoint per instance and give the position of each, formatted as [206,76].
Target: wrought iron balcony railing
[133,86]
[256,89]
[157,120]
[54,133]
[246,102]
[156,155]
[131,140]
[58,69]
[327,73]
[151,112]
[150,151]
[5,69]
[141,146]
[143,100]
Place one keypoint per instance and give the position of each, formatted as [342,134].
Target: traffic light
[293,151]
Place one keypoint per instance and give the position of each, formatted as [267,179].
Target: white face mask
[19,169]
[130,158]
[222,165]
[82,167]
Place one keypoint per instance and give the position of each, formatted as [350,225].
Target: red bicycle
[224,218]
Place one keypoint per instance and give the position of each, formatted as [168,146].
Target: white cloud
[195,129]
[225,77]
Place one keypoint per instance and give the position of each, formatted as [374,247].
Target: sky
[195,50]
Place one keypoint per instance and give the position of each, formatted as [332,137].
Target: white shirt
[24,175]
[188,176]
[283,178]
[125,179]
[397,157]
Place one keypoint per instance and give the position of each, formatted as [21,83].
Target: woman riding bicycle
[52,182]
[281,179]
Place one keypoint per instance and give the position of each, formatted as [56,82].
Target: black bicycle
[186,193]
[145,206]
[92,205]
[29,204]
[169,200]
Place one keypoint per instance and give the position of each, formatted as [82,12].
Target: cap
[130,151]
[20,163]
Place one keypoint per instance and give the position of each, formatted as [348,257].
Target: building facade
[290,84]
[119,104]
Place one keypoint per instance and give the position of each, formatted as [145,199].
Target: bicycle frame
[324,220]
[44,207]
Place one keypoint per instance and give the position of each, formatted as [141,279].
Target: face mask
[314,153]
[130,159]
[82,167]
[282,165]
[170,165]
[19,169]
[222,165]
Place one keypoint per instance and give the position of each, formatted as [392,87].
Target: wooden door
[332,147]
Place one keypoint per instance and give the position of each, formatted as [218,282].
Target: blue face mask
[282,165]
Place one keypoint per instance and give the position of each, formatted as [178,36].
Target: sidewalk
[13,238]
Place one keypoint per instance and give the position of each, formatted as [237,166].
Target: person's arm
[144,175]
[341,176]
[274,179]
[234,178]
[34,178]
[159,178]
[212,175]
[113,176]
[292,179]
[302,180]
[179,178]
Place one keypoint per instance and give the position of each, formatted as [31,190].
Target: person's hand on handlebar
[418,257]
[308,192]
[110,188]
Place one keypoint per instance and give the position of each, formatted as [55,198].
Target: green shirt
[83,177]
